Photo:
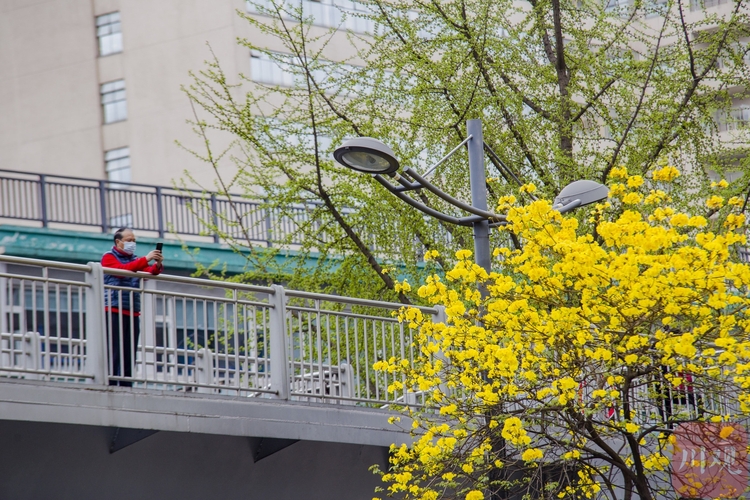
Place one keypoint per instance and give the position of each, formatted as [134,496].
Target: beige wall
[50,113]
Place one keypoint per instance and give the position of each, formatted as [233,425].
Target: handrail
[354,301]
[127,185]
[117,183]
[106,204]
[44,263]
[190,281]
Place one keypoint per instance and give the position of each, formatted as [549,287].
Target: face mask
[128,247]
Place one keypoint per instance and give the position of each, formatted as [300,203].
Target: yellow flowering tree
[569,377]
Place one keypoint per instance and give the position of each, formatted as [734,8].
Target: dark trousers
[122,344]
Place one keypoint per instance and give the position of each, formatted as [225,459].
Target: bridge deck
[54,402]
[212,357]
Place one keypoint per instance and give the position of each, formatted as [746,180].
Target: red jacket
[139,264]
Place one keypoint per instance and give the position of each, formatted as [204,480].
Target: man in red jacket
[123,307]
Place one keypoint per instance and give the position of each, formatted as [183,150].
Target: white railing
[196,335]
[655,399]
[219,337]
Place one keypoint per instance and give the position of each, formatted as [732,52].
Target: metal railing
[655,399]
[220,337]
[196,335]
[107,205]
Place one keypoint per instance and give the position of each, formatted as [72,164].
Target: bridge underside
[63,440]
[64,461]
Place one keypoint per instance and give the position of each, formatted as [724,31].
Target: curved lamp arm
[450,199]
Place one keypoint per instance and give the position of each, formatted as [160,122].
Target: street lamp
[365,154]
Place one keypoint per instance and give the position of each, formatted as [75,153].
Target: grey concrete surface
[67,462]
[53,402]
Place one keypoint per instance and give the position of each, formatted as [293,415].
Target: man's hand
[155,255]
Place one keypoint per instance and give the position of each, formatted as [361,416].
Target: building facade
[93,88]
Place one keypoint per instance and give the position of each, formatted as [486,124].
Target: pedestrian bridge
[213,356]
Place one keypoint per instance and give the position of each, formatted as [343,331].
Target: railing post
[31,355]
[439,316]
[159,212]
[96,328]
[346,379]
[103,205]
[43,199]
[147,359]
[279,357]
[204,369]
[269,227]
[214,218]
[5,305]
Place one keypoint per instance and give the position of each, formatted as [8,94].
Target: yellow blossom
[632,198]
[679,220]
[402,287]
[734,221]
[726,431]
[667,173]
[532,455]
[715,202]
[653,310]
[631,428]
[431,255]
[618,172]
[635,181]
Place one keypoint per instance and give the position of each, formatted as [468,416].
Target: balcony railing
[107,205]
[705,4]
[198,335]
[736,119]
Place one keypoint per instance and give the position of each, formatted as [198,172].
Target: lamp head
[366,154]
[586,191]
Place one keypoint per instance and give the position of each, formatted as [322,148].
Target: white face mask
[128,247]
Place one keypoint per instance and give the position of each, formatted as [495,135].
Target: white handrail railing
[195,335]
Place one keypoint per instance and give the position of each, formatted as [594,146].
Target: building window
[345,14]
[655,8]
[109,33]
[733,58]
[114,104]
[117,165]
[736,119]
[271,70]
[276,68]
[617,7]
[705,4]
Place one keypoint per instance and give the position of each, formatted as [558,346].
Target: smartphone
[159,246]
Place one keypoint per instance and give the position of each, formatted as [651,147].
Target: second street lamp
[365,154]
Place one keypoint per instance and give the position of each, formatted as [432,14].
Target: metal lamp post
[368,155]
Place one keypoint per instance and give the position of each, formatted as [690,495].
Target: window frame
[117,161]
[114,101]
[109,33]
